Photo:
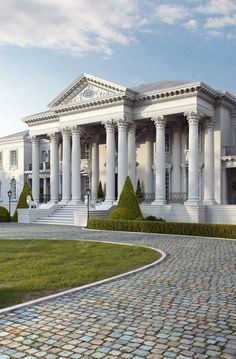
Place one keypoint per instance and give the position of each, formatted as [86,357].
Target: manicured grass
[34,268]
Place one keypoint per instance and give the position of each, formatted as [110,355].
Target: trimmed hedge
[4,214]
[190,229]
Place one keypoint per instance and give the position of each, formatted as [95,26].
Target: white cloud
[76,25]
[223,7]
[220,22]
[191,24]
[84,26]
[170,14]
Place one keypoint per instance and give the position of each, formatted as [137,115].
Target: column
[54,168]
[184,182]
[160,196]
[66,167]
[224,195]
[35,168]
[193,183]
[148,184]
[132,154]
[122,153]
[176,160]
[110,162]
[45,192]
[75,164]
[95,171]
[209,193]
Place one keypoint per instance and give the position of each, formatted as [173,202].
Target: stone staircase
[65,214]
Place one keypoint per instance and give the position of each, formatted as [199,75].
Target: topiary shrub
[128,206]
[100,192]
[22,200]
[4,214]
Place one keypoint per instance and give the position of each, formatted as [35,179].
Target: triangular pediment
[87,88]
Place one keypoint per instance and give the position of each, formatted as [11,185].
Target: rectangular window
[1,164]
[13,158]
[167,141]
[87,151]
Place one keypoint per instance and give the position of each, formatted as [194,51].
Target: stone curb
[91,285]
[156,234]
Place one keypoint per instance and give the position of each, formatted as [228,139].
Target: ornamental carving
[76,131]
[193,117]
[35,140]
[209,123]
[109,125]
[91,92]
[159,121]
[54,137]
[132,128]
[66,132]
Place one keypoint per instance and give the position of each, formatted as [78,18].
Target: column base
[159,202]
[209,202]
[65,201]
[53,201]
[76,201]
[192,202]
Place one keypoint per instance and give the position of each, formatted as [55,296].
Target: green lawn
[31,269]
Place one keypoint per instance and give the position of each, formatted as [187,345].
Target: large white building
[177,138]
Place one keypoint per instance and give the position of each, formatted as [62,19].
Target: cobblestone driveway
[182,308]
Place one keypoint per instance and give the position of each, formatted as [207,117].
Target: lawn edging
[91,285]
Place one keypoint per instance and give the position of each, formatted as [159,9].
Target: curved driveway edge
[91,285]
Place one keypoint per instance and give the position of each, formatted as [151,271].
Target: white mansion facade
[177,138]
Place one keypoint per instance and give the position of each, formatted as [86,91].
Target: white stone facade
[178,139]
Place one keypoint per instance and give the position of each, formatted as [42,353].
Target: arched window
[13,188]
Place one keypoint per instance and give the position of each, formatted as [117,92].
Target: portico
[161,134]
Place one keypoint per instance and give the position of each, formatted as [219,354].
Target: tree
[139,191]
[22,200]
[128,206]
[100,191]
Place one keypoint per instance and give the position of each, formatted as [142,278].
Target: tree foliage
[22,200]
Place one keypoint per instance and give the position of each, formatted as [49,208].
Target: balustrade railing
[177,197]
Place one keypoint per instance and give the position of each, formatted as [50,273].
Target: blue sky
[46,44]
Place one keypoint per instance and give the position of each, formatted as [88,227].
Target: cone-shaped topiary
[4,214]
[128,206]
[100,191]
[22,200]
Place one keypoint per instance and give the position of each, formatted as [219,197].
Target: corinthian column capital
[109,125]
[76,131]
[159,121]
[66,132]
[209,123]
[193,117]
[35,140]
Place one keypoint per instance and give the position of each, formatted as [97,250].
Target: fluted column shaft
[35,168]
[148,186]
[176,155]
[95,171]
[122,154]
[66,166]
[75,163]
[209,193]
[193,182]
[54,168]
[110,162]
[132,154]
[160,196]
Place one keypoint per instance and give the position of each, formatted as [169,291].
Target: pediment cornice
[46,116]
[86,88]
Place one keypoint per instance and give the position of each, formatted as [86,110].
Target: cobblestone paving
[182,308]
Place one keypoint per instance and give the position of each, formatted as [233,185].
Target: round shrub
[4,214]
